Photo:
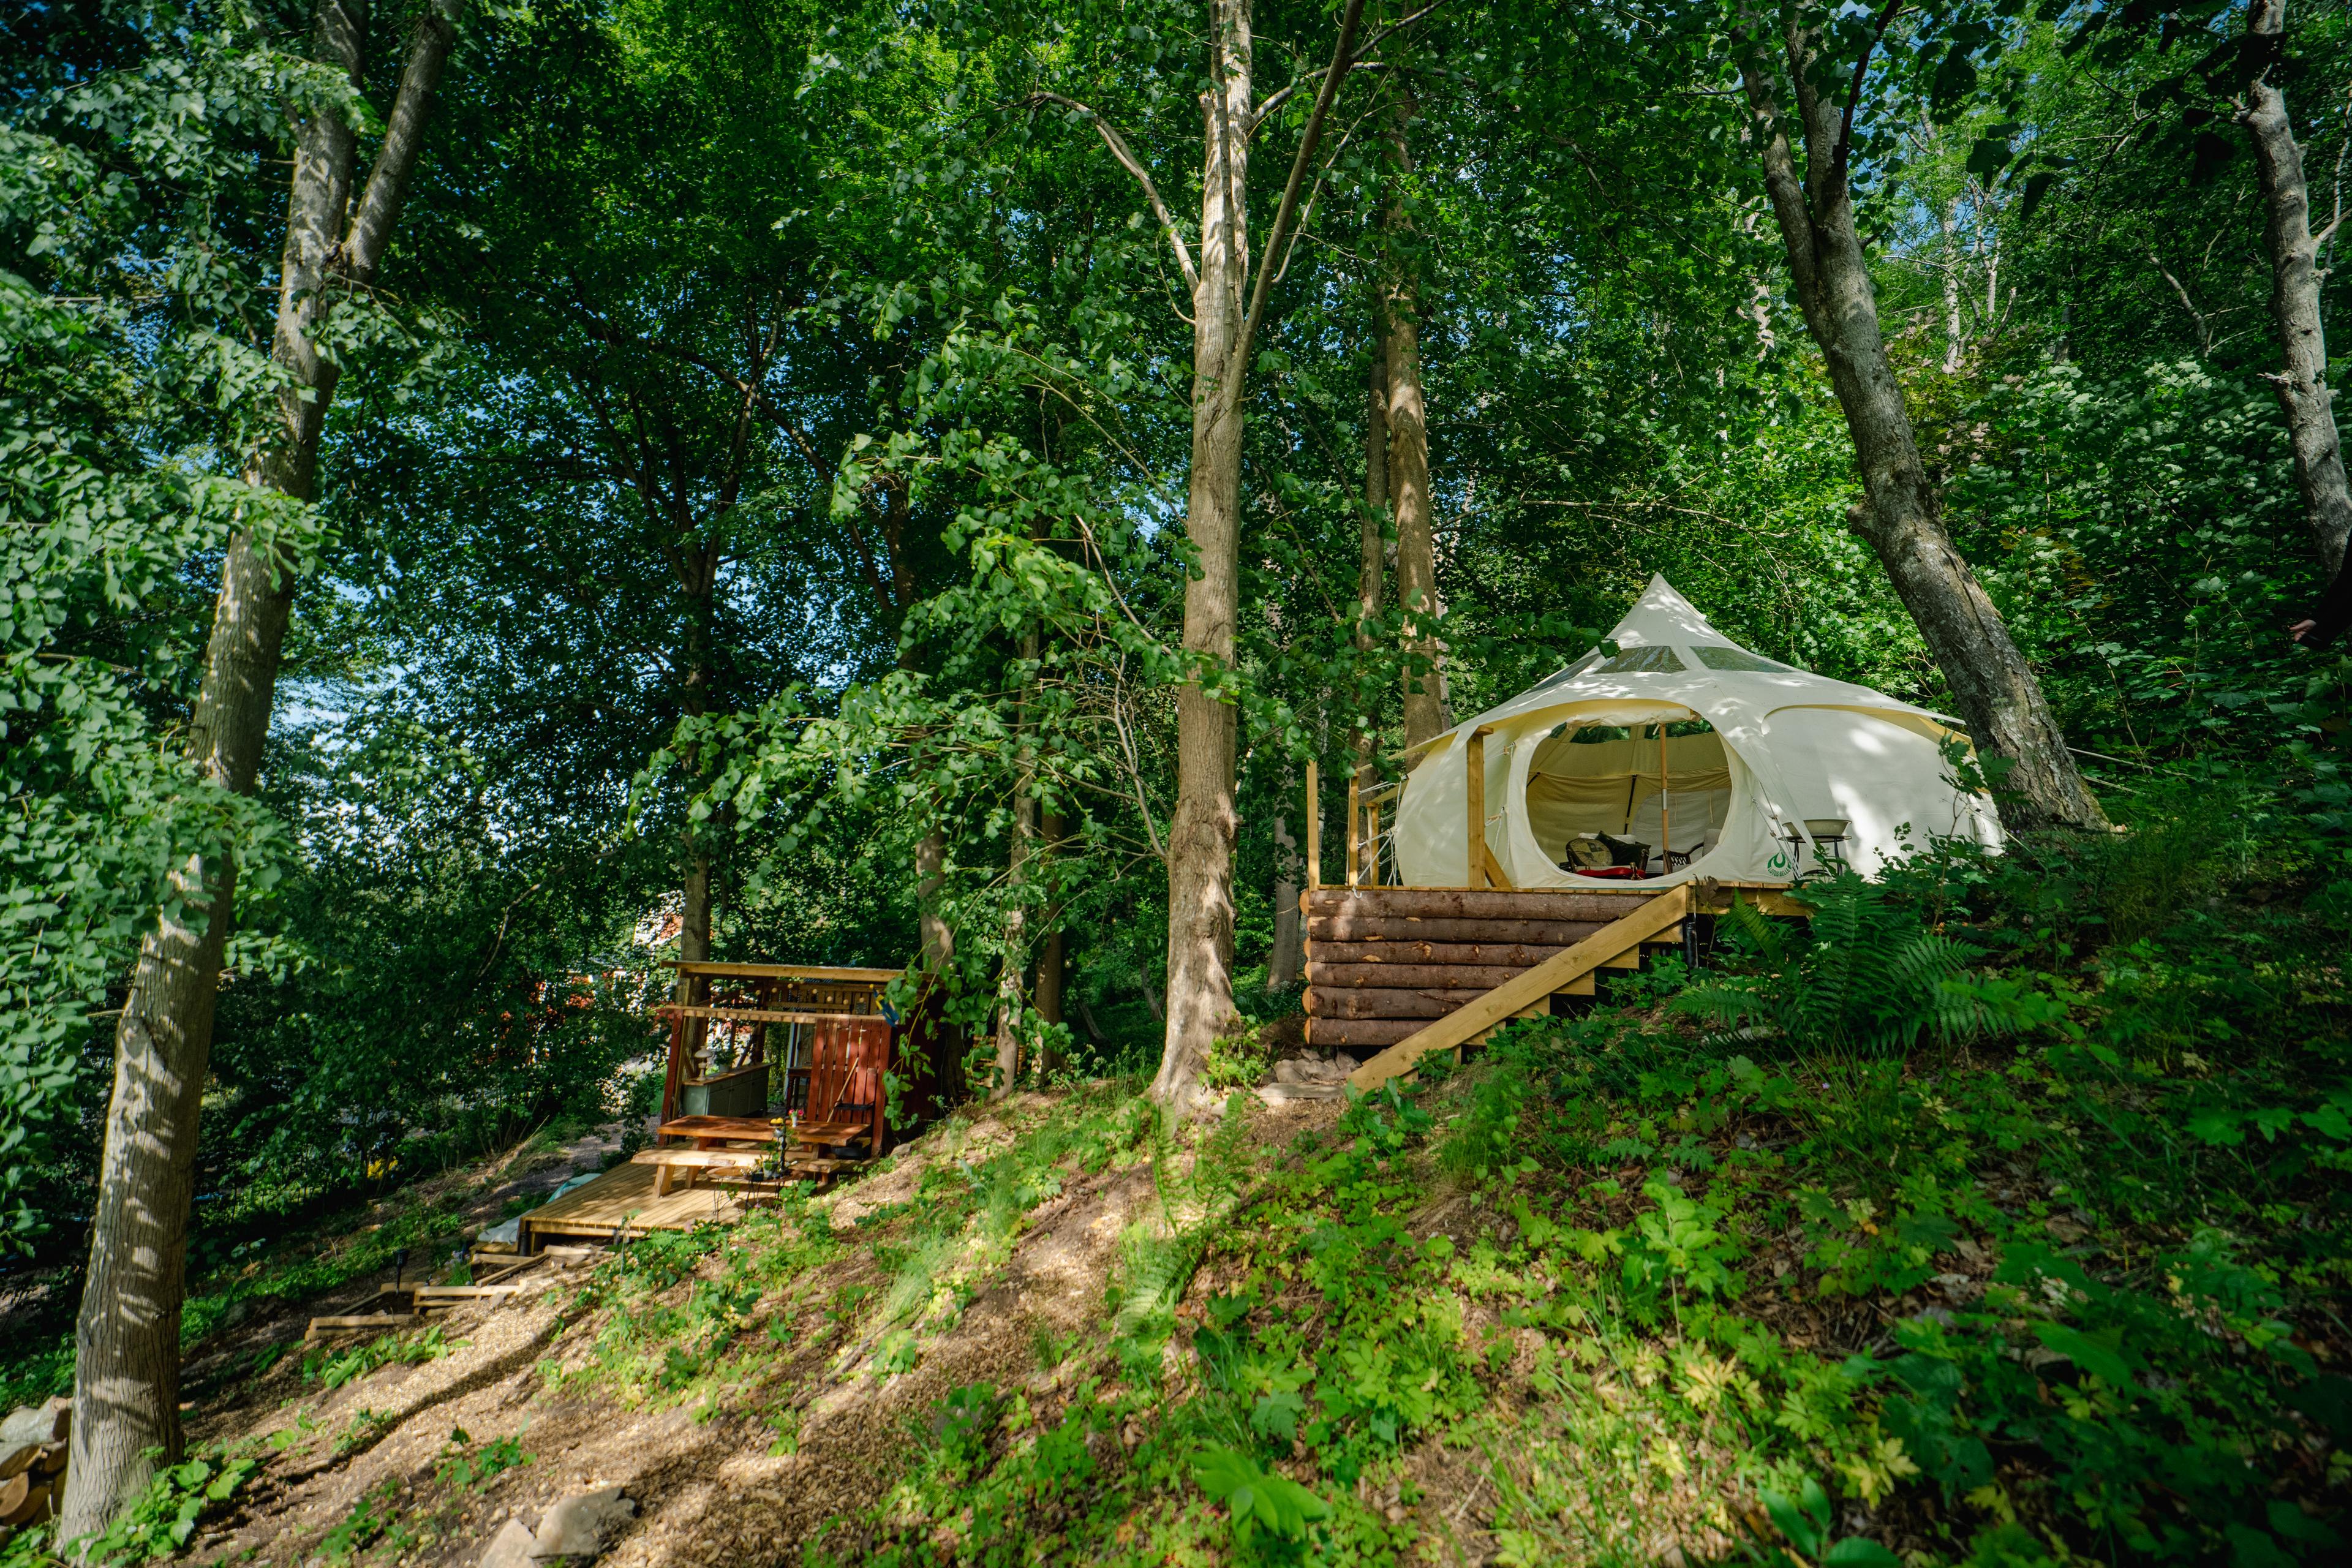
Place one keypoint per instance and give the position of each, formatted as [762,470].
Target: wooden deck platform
[624,1196]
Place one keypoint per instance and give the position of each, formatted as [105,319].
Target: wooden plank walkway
[623,1195]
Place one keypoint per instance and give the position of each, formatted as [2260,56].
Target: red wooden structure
[840,1043]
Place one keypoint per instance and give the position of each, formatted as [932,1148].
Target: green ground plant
[1993,1215]
[331,1369]
[159,1525]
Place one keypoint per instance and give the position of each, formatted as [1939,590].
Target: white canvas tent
[1592,749]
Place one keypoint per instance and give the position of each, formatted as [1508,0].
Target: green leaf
[2296,1525]
[1277,1414]
[1253,1496]
[2037,185]
[1861,1552]
[2250,1548]
[2220,1128]
[1792,1524]
[2098,1354]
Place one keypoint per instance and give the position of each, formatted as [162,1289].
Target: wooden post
[1474,753]
[1666,806]
[1355,843]
[1314,827]
[1372,842]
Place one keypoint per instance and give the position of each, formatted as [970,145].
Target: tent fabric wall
[1884,777]
[1792,746]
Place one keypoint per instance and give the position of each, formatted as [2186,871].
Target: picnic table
[715,1132]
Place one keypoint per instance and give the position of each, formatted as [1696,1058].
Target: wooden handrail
[1514,997]
[784,972]
[763,1014]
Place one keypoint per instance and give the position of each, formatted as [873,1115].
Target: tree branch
[1781,181]
[428,51]
[1273,259]
[1133,165]
[1355,62]
[1854,92]
[2204,330]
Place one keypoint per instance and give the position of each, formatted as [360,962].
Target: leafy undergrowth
[275,1271]
[1996,1215]
[1947,1228]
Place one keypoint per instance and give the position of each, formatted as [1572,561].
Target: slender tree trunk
[694,942]
[1370,584]
[1901,515]
[930,851]
[1408,459]
[127,1338]
[1954,335]
[930,877]
[1045,999]
[1016,952]
[1015,961]
[1200,836]
[1289,945]
[1372,534]
[2304,394]
[699,571]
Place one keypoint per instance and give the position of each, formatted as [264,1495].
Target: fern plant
[1156,1260]
[1866,979]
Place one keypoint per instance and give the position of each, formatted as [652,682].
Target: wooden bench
[668,1163]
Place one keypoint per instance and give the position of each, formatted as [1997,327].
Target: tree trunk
[1408,459]
[1994,689]
[2303,393]
[1016,961]
[699,574]
[930,877]
[1372,533]
[127,1338]
[1045,999]
[1200,836]
[694,944]
[1954,330]
[1289,946]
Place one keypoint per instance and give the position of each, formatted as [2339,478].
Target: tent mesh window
[1642,662]
[1570,673]
[1739,658]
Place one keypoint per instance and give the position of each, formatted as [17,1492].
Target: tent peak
[1663,615]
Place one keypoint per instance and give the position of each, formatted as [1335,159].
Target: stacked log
[1382,962]
[33,1462]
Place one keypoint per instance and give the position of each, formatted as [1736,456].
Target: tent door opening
[1629,801]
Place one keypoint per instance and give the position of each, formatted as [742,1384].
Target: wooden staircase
[1407,971]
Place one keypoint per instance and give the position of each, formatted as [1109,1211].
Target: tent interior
[1666,785]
